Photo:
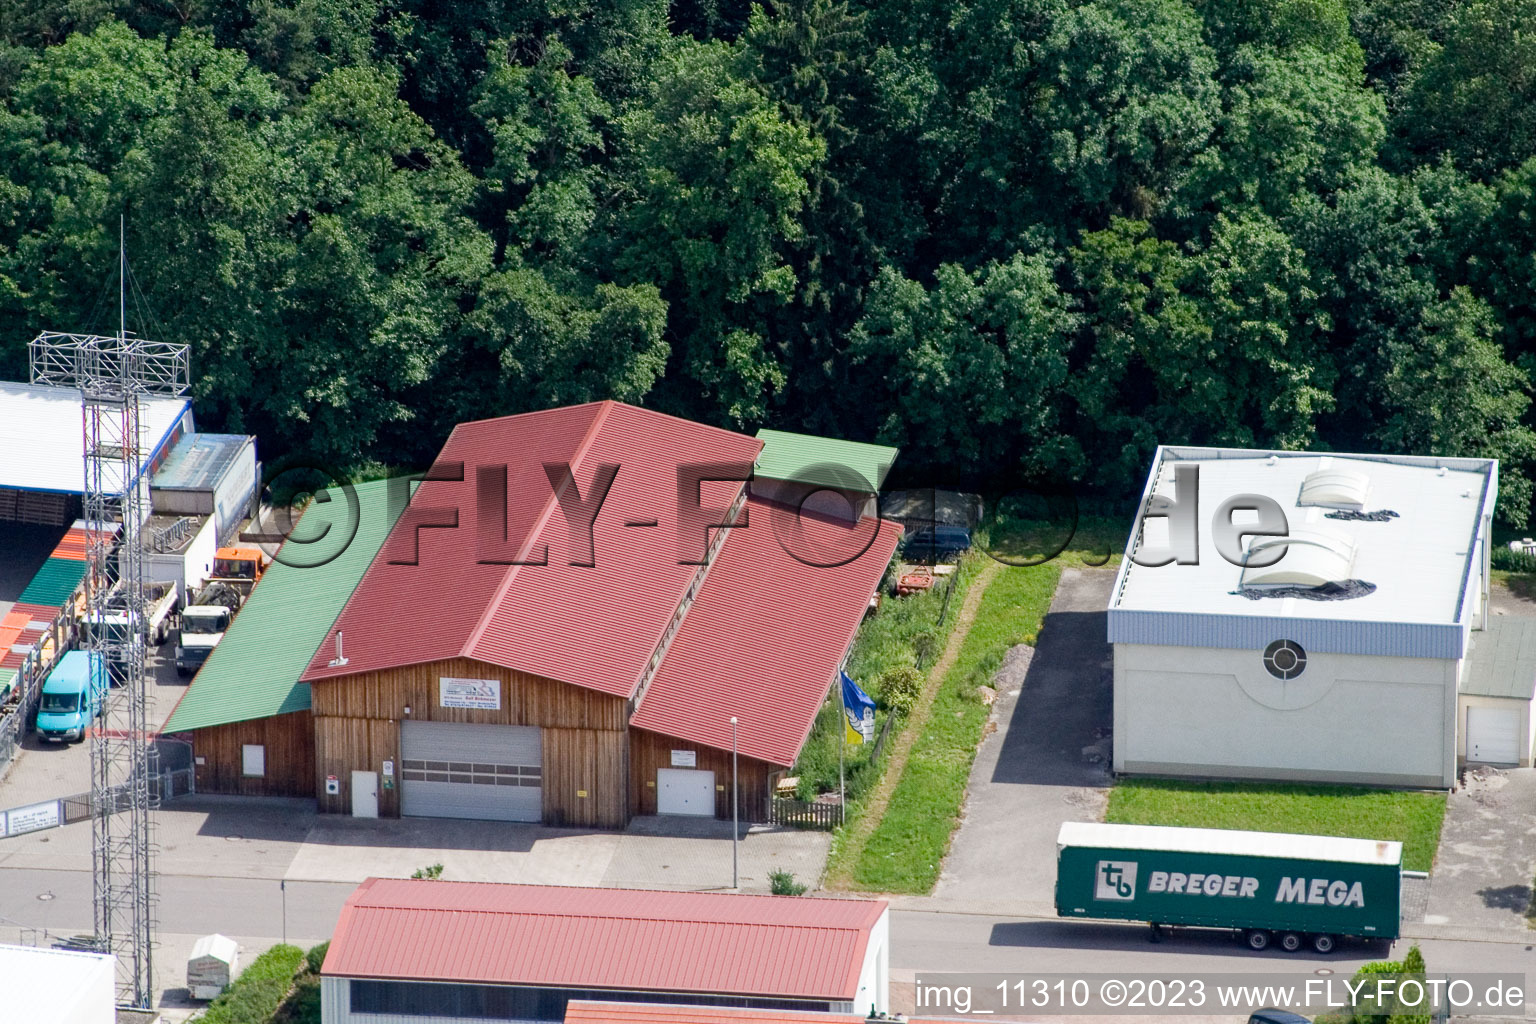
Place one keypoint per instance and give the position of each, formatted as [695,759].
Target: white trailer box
[208,475]
[180,549]
[58,986]
[212,966]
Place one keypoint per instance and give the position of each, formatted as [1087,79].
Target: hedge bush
[303,1003]
[256,994]
[901,687]
[1512,561]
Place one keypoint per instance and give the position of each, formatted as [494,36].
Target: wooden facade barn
[482,653]
[259,757]
[585,755]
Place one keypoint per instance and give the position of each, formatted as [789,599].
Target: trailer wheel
[1290,941]
[1257,939]
[1323,943]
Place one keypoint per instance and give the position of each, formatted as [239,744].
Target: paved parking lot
[47,770]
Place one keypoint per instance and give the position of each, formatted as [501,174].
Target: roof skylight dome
[1335,488]
[1312,559]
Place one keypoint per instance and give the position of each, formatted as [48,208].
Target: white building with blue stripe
[1300,616]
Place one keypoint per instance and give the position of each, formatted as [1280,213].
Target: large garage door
[685,791]
[449,770]
[1493,736]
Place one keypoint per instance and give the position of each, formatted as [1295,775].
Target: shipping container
[1294,890]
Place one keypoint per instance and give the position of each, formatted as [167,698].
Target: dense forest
[1026,240]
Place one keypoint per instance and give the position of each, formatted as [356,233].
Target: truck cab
[202,627]
[73,695]
[241,567]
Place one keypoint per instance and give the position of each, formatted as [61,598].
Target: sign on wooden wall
[484,694]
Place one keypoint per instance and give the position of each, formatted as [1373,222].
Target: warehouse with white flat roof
[1300,616]
[42,441]
[57,986]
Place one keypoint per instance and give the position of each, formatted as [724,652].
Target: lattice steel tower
[113,374]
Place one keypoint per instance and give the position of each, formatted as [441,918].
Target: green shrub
[256,994]
[1512,561]
[303,1003]
[1413,964]
[901,687]
[430,871]
[782,883]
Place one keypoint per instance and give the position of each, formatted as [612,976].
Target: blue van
[73,695]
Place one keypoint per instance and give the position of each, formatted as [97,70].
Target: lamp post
[735,813]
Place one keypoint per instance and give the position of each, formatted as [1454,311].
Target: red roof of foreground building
[582,1011]
[630,939]
[593,626]
[768,630]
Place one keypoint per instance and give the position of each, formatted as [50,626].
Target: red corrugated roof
[580,1011]
[638,940]
[767,632]
[596,626]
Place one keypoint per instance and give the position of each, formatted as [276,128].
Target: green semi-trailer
[1268,886]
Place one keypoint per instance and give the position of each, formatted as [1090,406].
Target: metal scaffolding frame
[112,374]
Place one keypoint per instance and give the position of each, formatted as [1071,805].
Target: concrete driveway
[1482,876]
[1045,759]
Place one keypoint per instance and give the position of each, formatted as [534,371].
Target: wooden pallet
[45,509]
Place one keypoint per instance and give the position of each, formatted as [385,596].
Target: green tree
[384,260]
[1506,268]
[971,372]
[545,126]
[531,345]
[1293,123]
[1450,391]
[1476,97]
[1399,37]
[813,57]
[716,181]
[1142,340]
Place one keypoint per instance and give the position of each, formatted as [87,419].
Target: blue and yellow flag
[858,712]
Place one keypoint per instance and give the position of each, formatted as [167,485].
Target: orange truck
[239,567]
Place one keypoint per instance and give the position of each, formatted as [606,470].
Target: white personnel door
[490,772]
[685,791]
[365,794]
[1493,736]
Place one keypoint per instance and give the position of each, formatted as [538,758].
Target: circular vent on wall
[1284,659]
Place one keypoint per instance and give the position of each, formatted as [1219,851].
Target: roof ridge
[551,503]
[652,918]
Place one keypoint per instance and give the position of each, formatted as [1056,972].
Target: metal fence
[801,814]
[173,780]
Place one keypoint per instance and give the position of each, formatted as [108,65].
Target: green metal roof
[1503,659]
[54,582]
[254,671]
[824,461]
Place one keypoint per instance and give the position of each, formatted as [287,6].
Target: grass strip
[905,631]
[1411,818]
[905,849]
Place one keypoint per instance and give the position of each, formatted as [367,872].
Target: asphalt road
[938,941]
[194,905]
[930,941]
